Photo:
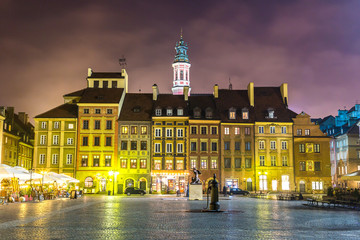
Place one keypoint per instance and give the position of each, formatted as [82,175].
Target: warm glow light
[111,173]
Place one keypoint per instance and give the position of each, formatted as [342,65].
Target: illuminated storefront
[169,181]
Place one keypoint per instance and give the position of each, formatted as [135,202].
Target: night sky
[314,46]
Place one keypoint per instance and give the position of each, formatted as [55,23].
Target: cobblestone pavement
[115,217]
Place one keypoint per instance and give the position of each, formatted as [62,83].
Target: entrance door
[103,185]
[274,185]
[249,185]
[263,183]
[143,185]
[302,186]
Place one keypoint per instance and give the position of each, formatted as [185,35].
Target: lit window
[284,145]
[271,113]
[143,130]
[107,160]
[261,144]
[168,164]
[69,158]
[226,131]
[84,161]
[133,130]
[143,163]
[237,131]
[96,160]
[158,112]
[180,112]
[193,163]
[123,163]
[71,126]
[298,132]
[157,164]
[169,112]
[203,163]
[213,164]
[317,185]
[97,111]
[89,182]
[43,125]
[56,125]
[232,113]
[179,164]
[133,163]
[245,114]
[124,130]
[285,182]
[307,132]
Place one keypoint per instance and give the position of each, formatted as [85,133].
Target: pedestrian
[225,191]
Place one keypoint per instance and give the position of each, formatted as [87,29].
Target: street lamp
[114,174]
[42,182]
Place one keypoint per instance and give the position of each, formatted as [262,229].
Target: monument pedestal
[195,192]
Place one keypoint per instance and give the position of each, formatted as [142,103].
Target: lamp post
[114,174]
[42,182]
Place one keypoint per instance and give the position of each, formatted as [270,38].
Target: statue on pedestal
[196,179]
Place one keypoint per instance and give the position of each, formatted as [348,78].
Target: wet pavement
[115,217]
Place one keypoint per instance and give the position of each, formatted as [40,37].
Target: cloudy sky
[314,46]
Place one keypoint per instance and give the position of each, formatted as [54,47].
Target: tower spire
[181,67]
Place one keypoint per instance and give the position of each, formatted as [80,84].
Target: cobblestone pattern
[107,217]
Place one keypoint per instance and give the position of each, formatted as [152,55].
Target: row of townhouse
[16,138]
[110,139]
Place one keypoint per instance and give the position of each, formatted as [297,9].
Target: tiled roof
[66,110]
[166,101]
[203,102]
[106,75]
[75,94]
[101,95]
[136,107]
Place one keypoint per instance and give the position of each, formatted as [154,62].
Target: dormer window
[197,112]
[245,113]
[271,113]
[208,113]
[169,112]
[232,113]
[180,111]
[158,112]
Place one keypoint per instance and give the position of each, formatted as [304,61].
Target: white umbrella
[10,172]
[32,175]
[69,179]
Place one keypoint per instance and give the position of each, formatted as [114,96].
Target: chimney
[216,91]
[186,93]
[10,112]
[89,72]
[23,117]
[284,93]
[155,92]
[251,93]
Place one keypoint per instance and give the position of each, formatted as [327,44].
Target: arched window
[181,75]
[89,182]
[197,112]
[208,113]
[263,183]
[129,182]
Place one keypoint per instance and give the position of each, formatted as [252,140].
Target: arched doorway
[102,185]
[89,182]
[302,186]
[142,184]
[249,184]
[129,182]
[263,183]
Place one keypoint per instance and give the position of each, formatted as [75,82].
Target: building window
[114,84]
[208,113]
[193,130]
[108,161]
[245,114]
[123,145]
[317,166]
[168,164]
[70,141]
[56,140]
[109,111]
[42,139]
[261,129]
[86,111]
[214,146]
[55,159]
[193,146]
[97,111]
[96,141]
[179,164]
[298,132]
[70,126]
[108,124]
[261,144]
[213,130]
[124,130]
[285,182]
[86,124]
[203,163]
[272,145]
[247,162]
[237,162]
[169,112]
[271,113]
[226,145]
[302,166]
[84,161]
[43,125]
[203,146]
[273,161]
[96,160]
[133,145]
[284,161]
[180,111]
[247,146]
[247,131]
[226,131]
[85,141]
[143,145]
[272,129]
[227,162]
[69,158]
[158,112]
[237,131]
[42,159]
[232,113]
[169,132]
[157,132]
[180,148]
[317,148]
[193,163]
[197,112]
[143,130]
[203,130]
[283,130]
[157,164]
[97,124]
[307,132]
[284,145]
[237,146]
[262,160]
[142,163]
[302,148]
[180,133]
[213,164]
[157,147]
[108,141]
[317,185]
[133,163]
[123,163]
[56,125]
[169,147]
[96,84]
[89,182]
[133,130]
